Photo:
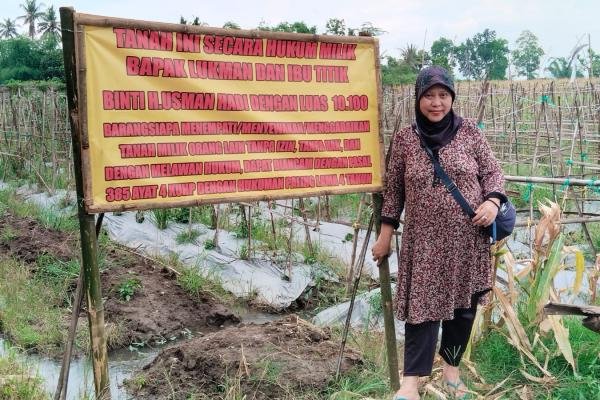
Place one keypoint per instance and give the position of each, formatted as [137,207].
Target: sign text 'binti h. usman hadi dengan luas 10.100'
[182,115]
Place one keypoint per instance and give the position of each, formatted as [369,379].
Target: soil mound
[26,240]
[268,361]
[158,311]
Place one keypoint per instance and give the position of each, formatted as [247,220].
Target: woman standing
[445,268]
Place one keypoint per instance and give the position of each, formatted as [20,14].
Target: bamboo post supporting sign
[89,243]
[178,115]
[171,115]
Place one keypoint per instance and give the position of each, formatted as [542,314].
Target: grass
[496,360]
[57,272]
[29,308]
[7,234]
[187,236]
[198,285]
[17,382]
[161,217]
[52,219]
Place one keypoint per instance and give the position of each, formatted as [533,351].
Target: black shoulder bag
[504,223]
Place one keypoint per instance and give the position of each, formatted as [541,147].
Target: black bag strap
[446,180]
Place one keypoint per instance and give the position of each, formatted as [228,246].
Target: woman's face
[435,103]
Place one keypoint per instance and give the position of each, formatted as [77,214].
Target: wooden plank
[91,208]
[103,21]
[571,309]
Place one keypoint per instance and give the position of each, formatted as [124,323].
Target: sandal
[399,397]
[453,387]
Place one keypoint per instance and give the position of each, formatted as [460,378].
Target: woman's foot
[403,395]
[409,390]
[453,384]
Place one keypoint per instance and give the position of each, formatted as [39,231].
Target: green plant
[196,284]
[269,371]
[128,287]
[375,304]
[209,244]
[244,252]
[161,217]
[180,215]
[7,234]
[187,236]
[204,215]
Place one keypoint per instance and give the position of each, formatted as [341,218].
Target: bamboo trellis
[537,129]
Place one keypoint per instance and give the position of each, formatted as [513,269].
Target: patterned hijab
[435,134]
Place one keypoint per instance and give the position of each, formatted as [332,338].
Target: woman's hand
[486,212]
[381,248]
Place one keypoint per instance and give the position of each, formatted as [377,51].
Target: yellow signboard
[180,115]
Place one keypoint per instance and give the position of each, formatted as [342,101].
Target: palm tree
[33,12]
[49,25]
[8,29]
[414,58]
[561,68]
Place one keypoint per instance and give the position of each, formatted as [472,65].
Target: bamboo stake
[273,231]
[356,279]
[63,379]
[89,246]
[306,230]
[354,246]
[386,302]
[216,211]
[289,243]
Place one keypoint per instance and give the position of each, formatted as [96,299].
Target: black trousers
[421,340]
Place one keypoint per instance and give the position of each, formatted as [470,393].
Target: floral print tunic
[444,258]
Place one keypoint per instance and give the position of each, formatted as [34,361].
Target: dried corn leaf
[526,393]
[498,386]
[518,337]
[561,335]
[513,324]
[544,380]
[549,224]
[545,326]
[435,392]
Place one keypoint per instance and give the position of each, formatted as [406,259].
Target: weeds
[7,234]
[128,287]
[53,219]
[197,285]
[57,271]
[17,382]
[29,309]
[161,217]
[187,236]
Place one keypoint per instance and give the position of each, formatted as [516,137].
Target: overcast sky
[559,24]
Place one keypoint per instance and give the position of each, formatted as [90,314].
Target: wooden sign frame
[83,20]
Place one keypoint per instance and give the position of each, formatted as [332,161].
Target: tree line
[35,54]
